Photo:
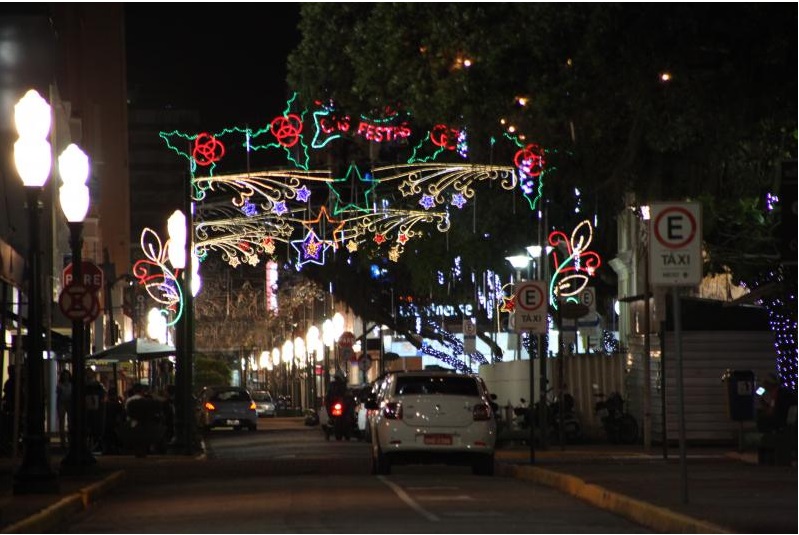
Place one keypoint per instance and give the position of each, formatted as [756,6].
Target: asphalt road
[288,480]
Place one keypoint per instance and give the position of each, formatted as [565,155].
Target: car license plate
[232,422]
[438,440]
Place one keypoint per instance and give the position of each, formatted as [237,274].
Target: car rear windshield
[230,395]
[261,396]
[453,386]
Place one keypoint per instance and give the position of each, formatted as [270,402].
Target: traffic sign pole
[675,259]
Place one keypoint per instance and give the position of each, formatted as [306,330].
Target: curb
[645,514]
[51,517]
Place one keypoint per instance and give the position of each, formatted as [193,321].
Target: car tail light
[392,410]
[252,405]
[481,412]
[209,406]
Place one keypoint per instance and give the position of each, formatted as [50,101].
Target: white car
[264,405]
[432,417]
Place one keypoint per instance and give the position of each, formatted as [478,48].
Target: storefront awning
[138,349]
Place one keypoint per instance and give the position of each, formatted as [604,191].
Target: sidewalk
[726,492]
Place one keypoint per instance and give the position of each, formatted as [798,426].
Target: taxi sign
[531,307]
[675,244]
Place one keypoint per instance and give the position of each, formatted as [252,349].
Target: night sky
[226,60]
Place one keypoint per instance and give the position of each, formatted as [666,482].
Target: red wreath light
[207,149]
[286,129]
[530,159]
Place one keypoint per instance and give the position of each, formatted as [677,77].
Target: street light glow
[73,166]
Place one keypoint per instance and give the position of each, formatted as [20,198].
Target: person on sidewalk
[775,403]
[63,403]
[114,417]
[94,394]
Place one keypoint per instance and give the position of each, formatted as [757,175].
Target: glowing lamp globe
[176,226]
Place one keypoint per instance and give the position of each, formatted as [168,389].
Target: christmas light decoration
[339,206]
[271,198]
[156,277]
[573,272]
[438,178]
[458,200]
[207,149]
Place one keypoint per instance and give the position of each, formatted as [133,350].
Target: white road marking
[409,501]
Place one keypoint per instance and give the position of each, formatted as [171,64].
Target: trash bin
[740,394]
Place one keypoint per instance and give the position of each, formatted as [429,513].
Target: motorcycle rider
[338,392]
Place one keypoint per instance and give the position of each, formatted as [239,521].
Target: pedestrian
[63,402]
[114,417]
[94,395]
[776,401]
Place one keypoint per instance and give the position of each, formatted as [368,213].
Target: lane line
[409,501]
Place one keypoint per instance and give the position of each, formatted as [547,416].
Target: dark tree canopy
[592,74]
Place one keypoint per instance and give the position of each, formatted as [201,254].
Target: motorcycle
[620,427]
[572,430]
[341,421]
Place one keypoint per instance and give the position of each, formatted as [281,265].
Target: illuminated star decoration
[328,227]
[427,201]
[310,249]
[269,245]
[249,208]
[458,200]
[352,246]
[349,181]
[572,274]
[280,208]
[508,304]
[303,194]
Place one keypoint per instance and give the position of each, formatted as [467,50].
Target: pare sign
[675,244]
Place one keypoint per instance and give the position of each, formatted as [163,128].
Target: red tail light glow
[337,409]
[481,412]
[209,406]
[393,410]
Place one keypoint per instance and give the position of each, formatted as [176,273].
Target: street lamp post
[519,262]
[287,355]
[312,346]
[73,166]
[33,160]
[328,341]
[338,330]
[176,227]
[300,359]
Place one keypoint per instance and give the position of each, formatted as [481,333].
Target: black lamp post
[180,256]
[73,166]
[33,160]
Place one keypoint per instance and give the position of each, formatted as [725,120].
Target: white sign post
[469,336]
[675,244]
[675,259]
[531,309]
